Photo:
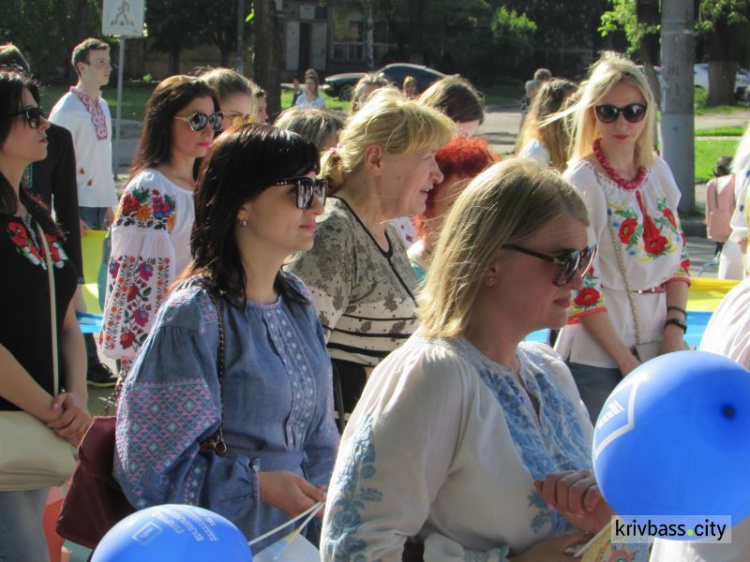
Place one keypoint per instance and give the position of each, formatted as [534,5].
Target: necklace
[614,176]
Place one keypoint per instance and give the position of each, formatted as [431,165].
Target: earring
[491,280]
[243,223]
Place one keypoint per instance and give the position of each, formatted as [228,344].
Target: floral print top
[645,226]
[150,247]
[445,446]
[25,329]
[364,295]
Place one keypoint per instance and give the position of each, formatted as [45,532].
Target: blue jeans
[21,532]
[94,217]
[594,385]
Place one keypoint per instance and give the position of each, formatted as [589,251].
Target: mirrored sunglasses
[307,189]
[33,115]
[568,263]
[199,120]
[633,113]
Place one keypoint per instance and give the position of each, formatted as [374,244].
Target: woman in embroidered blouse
[467,440]
[151,230]
[632,200]
[256,203]
[358,271]
[25,331]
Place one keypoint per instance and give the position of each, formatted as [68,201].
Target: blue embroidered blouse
[277,401]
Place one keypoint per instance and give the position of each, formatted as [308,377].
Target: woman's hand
[73,421]
[289,492]
[628,363]
[551,549]
[673,340]
[576,495]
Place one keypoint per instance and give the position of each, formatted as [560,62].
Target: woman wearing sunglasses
[636,293]
[151,230]
[236,95]
[469,443]
[26,346]
[358,271]
[256,203]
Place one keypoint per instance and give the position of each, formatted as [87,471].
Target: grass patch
[720,132]
[707,153]
[507,94]
[133,100]
[287,100]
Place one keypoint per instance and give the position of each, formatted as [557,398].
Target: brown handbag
[95,501]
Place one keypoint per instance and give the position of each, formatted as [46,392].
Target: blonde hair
[550,99]
[227,82]
[396,125]
[611,69]
[506,204]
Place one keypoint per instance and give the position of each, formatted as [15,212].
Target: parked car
[741,79]
[342,85]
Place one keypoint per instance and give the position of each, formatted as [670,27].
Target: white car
[741,82]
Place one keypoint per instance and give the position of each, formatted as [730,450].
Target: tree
[174,25]
[724,23]
[267,51]
[513,34]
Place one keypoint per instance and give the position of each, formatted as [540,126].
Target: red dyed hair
[462,158]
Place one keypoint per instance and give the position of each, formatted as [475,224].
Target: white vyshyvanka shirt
[653,250]
[150,248]
[445,445]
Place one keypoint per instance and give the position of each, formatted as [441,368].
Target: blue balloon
[173,532]
[673,438]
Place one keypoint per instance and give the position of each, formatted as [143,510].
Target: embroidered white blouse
[150,247]
[643,222]
[445,445]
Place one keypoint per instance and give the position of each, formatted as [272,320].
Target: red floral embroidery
[127,339]
[669,215]
[655,245]
[685,264]
[627,229]
[587,296]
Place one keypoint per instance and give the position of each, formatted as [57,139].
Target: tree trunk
[723,56]
[267,55]
[369,42]
[174,60]
[416,19]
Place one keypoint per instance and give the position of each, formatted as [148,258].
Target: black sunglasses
[199,120]
[33,115]
[633,113]
[567,264]
[307,190]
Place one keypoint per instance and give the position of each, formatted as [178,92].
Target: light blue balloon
[173,533]
[673,438]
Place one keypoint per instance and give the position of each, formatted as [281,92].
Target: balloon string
[312,511]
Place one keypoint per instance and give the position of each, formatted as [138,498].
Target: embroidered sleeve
[328,271]
[382,488]
[166,409]
[140,270]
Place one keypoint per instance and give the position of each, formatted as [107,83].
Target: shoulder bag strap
[216,441]
[621,267]
[52,309]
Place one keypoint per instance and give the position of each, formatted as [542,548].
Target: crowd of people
[333,308]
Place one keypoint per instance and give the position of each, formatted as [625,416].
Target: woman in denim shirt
[256,203]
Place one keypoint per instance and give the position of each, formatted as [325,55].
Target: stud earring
[243,223]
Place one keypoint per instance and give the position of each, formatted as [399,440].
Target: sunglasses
[238,119]
[633,113]
[199,120]
[567,264]
[307,190]
[33,115]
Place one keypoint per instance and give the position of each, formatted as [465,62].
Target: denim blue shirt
[277,403]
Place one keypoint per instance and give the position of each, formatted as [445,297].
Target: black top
[24,298]
[55,176]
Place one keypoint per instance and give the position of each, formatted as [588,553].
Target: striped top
[364,295]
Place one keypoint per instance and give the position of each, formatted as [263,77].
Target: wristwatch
[681,324]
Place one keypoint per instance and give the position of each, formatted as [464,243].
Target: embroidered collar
[93,106]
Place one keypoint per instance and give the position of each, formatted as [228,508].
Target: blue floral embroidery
[345,517]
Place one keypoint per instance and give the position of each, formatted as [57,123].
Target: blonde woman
[366,86]
[358,271]
[547,143]
[468,440]
[236,95]
[636,292]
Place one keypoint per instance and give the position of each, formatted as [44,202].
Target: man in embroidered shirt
[85,114]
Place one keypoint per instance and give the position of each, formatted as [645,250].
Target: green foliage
[720,132]
[622,16]
[707,152]
[513,32]
[148,78]
[735,12]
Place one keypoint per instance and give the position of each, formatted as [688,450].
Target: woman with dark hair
[459,100]
[256,203]
[26,348]
[151,230]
